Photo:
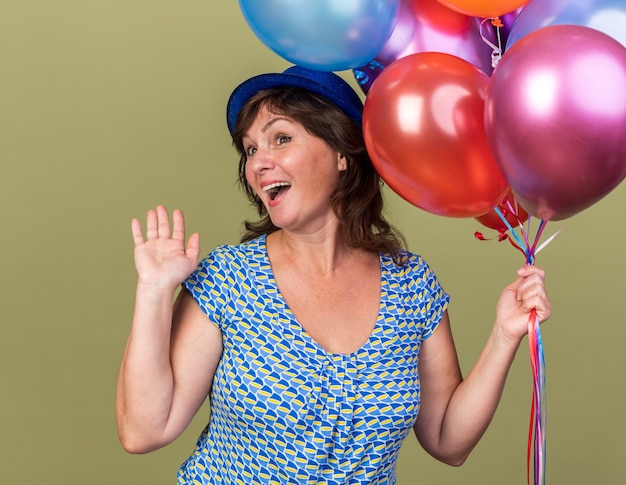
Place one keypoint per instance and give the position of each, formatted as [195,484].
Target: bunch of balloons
[493,109]
[468,102]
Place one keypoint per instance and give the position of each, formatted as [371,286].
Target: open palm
[162,258]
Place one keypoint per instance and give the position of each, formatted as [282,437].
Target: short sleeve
[428,294]
[208,285]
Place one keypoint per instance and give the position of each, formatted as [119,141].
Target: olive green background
[108,108]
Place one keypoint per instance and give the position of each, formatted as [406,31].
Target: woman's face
[293,172]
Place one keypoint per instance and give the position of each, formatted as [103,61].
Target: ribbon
[537,427]
[536,453]
[361,76]
[496,54]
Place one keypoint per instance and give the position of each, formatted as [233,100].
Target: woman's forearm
[145,383]
[474,402]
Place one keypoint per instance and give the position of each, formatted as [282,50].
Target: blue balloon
[607,16]
[327,35]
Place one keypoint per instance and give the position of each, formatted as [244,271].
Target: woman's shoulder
[402,260]
[407,265]
[252,249]
[229,262]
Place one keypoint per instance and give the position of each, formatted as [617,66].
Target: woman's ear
[342,162]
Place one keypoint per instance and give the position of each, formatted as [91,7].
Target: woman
[306,336]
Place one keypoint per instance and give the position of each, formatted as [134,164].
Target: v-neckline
[303,331]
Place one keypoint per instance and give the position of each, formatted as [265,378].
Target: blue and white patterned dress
[283,410]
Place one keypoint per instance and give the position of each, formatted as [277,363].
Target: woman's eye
[250,151]
[282,139]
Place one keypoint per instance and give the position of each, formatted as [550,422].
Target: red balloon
[484,8]
[555,116]
[424,130]
[428,26]
[510,209]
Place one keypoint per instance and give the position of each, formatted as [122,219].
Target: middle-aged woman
[320,341]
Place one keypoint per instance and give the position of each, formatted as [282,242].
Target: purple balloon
[555,117]
[508,20]
[607,16]
[428,26]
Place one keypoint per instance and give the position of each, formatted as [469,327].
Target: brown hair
[357,201]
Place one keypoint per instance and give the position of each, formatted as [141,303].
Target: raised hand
[518,299]
[162,259]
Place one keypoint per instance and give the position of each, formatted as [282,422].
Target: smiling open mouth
[274,189]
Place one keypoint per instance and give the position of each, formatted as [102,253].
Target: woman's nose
[261,161]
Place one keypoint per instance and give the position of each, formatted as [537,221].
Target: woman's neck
[318,253]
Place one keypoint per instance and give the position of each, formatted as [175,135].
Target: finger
[163,226]
[533,278]
[178,232]
[540,305]
[529,289]
[135,227]
[193,246]
[533,291]
[529,270]
[151,225]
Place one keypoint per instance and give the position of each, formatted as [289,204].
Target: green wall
[108,108]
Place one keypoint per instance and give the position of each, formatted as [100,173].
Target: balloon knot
[497,22]
[374,64]
[360,76]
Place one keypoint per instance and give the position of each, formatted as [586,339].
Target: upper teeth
[277,184]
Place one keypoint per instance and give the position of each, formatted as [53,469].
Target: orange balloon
[493,221]
[424,131]
[483,8]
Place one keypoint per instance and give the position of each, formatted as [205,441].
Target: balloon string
[531,423]
[542,225]
[523,245]
[515,211]
[536,451]
[542,402]
[520,244]
[361,77]
[548,241]
[496,54]
[517,247]
[536,432]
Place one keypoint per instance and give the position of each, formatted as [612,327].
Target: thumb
[193,246]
